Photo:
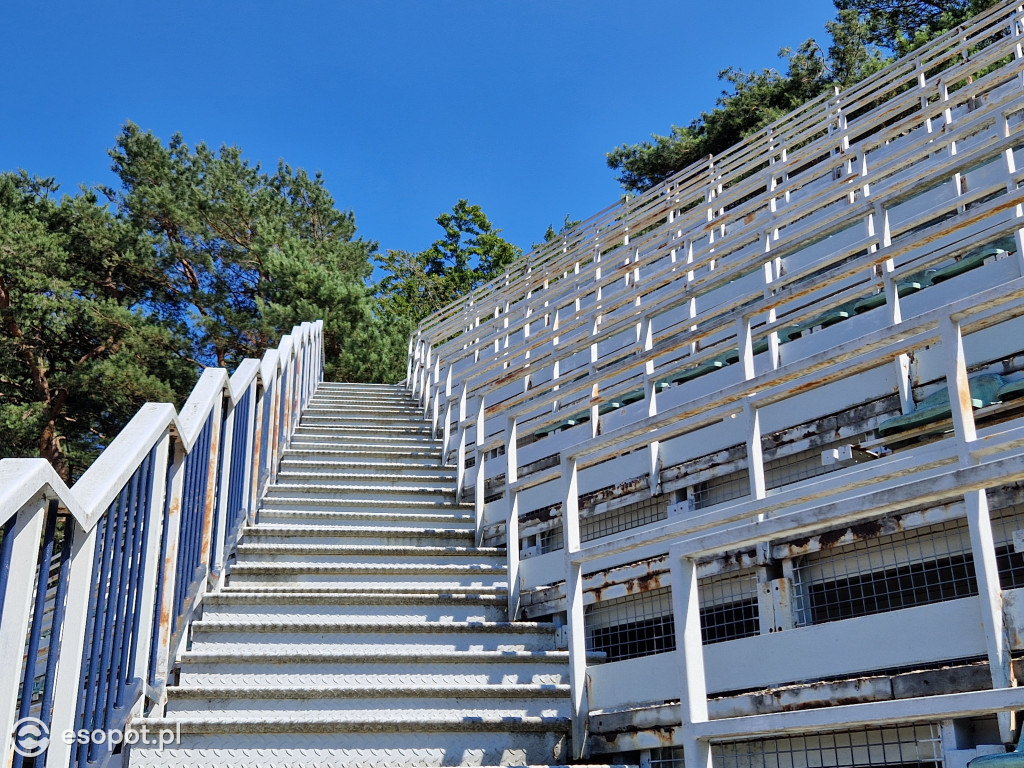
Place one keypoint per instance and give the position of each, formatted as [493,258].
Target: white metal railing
[139,539]
[710,300]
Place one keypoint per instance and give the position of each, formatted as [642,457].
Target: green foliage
[244,255]
[80,351]
[903,25]
[206,260]
[755,100]
[863,36]
[550,235]
[469,254]
[414,285]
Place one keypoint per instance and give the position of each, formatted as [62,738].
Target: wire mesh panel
[802,465]
[550,540]
[720,489]
[623,518]
[911,746]
[632,626]
[728,606]
[667,757]
[1009,560]
[926,565]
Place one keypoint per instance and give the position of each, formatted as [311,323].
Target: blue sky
[405,106]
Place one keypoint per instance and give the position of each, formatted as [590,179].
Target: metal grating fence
[911,746]
[908,568]
[1010,562]
[623,518]
[718,490]
[906,747]
[802,465]
[667,757]
[632,626]
[728,606]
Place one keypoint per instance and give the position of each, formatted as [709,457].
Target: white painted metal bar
[17,608]
[574,607]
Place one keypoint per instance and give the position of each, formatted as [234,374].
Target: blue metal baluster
[134,619]
[199,503]
[36,630]
[110,622]
[6,550]
[222,462]
[94,683]
[268,404]
[125,598]
[92,622]
[183,579]
[57,623]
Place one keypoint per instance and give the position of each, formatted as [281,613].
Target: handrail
[147,530]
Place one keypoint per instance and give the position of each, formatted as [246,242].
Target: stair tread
[337,722]
[330,589]
[269,529]
[304,597]
[328,655]
[370,568]
[412,550]
[491,690]
[387,503]
[276,624]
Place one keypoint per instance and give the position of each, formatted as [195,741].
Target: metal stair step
[296,759]
[332,437]
[333,457]
[310,513]
[343,435]
[307,740]
[386,474]
[395,535]
[368,701]
[395,575]
[387,589]
[383,669]
[334,553]
[361,416]
[385,470]
[274,635]
[364,430]
[386,607]
[364,491]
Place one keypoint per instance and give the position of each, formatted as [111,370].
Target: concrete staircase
[360,626]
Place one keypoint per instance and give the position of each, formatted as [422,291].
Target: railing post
[979,522]
[211,512]
[512,516]
[17,609]
[460,454]
[480,490]
[446,431]
[574,607]
[223,492]
[693,699]
[150,578]
[277,392]
[168,568]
